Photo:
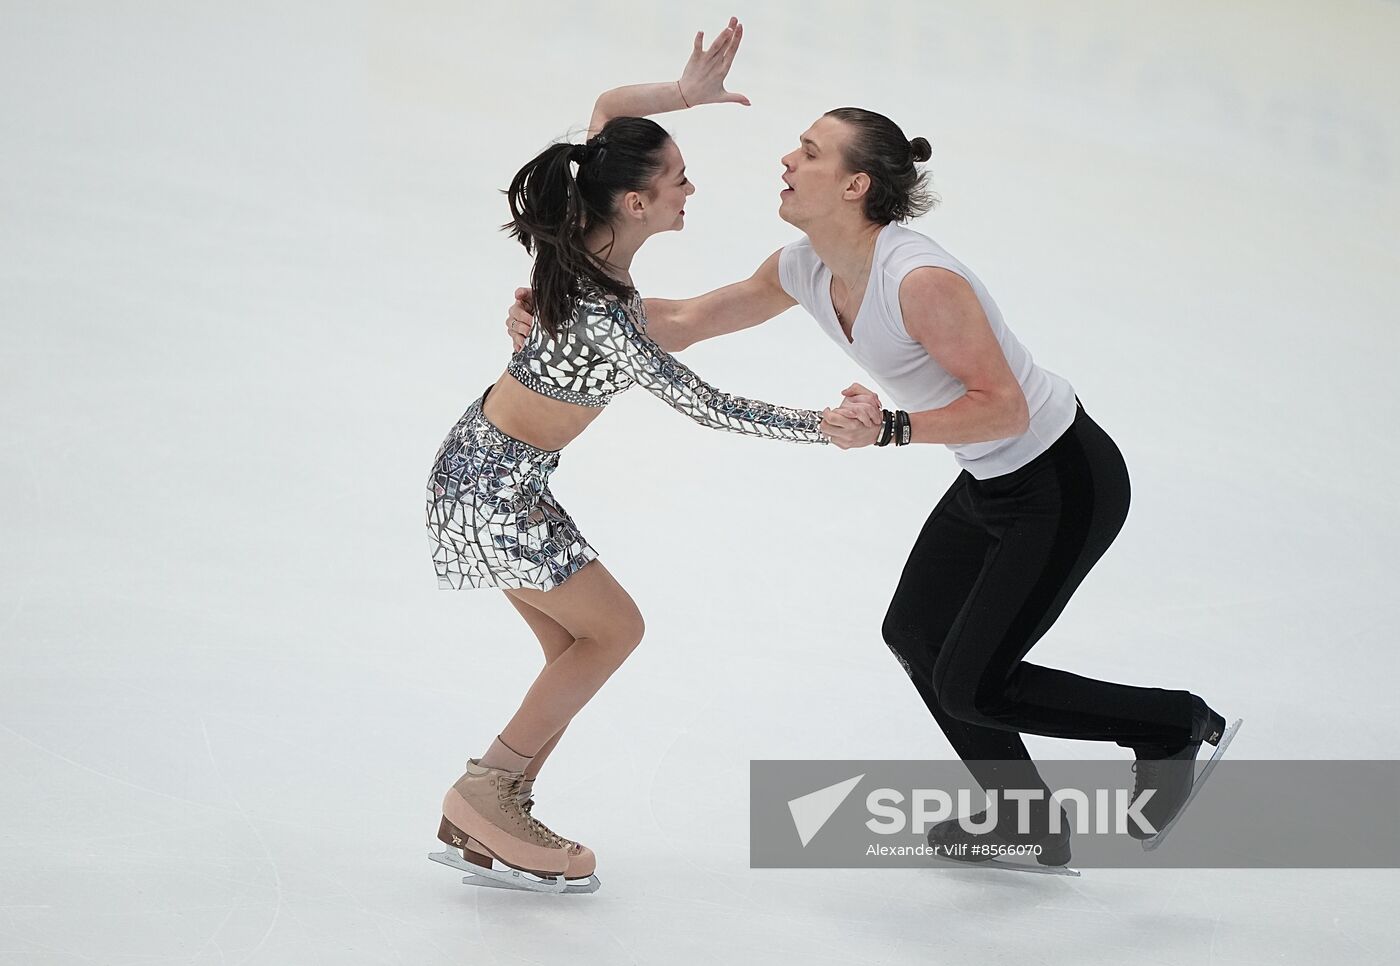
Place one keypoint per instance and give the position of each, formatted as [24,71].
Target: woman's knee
[631,632]
[622,635]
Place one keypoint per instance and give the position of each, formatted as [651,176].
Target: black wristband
[903,429]
[886,428]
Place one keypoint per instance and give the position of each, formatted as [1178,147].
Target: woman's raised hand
[702,81]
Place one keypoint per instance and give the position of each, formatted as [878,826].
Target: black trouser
[992,569]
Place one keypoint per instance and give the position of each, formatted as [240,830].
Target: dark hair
[551,207]
[898,191]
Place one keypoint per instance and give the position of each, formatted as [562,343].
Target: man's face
[815,175]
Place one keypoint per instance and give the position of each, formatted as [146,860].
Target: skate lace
[1147,776]
[508,794]
[506,789]
[559,840]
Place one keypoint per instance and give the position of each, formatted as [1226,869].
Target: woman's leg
[606,626]
[554,641]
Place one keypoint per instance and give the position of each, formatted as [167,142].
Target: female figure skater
[1042,494]
[583,210]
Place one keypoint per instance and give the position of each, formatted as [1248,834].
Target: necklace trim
[842,313]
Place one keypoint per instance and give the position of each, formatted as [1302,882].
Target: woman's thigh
[554,638]
[590,604]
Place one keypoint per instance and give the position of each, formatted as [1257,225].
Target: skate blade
[512,879]
[1036,869]
[582,886]
[1155,841]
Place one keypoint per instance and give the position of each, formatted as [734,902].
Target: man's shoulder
[904,242]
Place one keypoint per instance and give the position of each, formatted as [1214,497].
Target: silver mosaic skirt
[492,521]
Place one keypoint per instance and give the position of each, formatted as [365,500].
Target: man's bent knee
[963,704]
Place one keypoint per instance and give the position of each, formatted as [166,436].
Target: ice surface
[252,274]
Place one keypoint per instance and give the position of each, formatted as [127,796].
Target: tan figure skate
[482,821]
[582,861]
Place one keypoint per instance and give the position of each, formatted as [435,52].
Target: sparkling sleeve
[659,372]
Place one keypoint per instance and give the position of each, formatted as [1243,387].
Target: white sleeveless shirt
[902,366]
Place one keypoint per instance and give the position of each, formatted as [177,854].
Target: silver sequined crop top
[604,349]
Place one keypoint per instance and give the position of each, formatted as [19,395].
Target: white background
[252,274]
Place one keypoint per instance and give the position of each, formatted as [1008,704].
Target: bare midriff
[524,414]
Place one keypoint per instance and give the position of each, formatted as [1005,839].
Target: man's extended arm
[678,323]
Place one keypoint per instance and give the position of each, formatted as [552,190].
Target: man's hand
[856,393]
[521,317]
[855,424]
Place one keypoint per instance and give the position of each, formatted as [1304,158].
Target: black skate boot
[1170,772]
[1050,849]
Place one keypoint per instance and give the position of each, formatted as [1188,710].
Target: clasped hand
[857,421]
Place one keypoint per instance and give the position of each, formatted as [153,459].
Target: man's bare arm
[678,323]
[942,312]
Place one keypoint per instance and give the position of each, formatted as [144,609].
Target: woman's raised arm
[701,82]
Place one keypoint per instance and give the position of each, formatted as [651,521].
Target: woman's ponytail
[552,207]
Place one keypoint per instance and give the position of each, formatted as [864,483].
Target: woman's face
[664,203]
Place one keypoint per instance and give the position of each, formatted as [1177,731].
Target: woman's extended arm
[702,82]
[623,338]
